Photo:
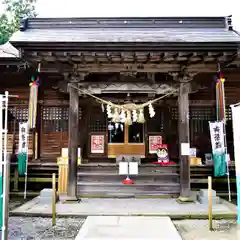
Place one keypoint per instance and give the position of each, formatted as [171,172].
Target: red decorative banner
[154,142]
[97,144]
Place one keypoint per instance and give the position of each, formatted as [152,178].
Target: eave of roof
[8,52]
[165,31]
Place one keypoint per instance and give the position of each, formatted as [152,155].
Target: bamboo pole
[53,199]
[210,203]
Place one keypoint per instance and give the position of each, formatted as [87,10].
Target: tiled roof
[127,30]
[8,51]
[126,35]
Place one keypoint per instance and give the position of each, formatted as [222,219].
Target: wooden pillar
[183,129]
[73,122]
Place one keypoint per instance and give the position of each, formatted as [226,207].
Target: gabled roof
[117,30]
[7,51]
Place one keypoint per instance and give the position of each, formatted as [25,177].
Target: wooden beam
[138,87]
[131,67]
[169,56]
[183,129]
[196,57]
[73,123]
[183,56]
[143,60]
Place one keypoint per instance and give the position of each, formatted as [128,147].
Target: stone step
[97,194]
[102,179]
[122,188]
[115,177]
[114,168]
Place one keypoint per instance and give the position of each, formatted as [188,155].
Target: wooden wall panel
[126,149]
[51,145]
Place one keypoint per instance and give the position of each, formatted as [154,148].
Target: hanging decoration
[122,116]
[151,110]
[220,97]
[32,112]
[109,111]
[141,118]
[129,118]
[220,160]
[134,115]
[116,116]
[126,113]
[102,106]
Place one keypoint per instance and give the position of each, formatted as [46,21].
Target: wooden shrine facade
[131,59]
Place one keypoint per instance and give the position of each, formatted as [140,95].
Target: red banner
[154,142]
[97,144]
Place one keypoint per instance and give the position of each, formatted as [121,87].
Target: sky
[138,8]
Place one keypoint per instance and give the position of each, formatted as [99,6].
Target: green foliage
[4,29]
[15,10]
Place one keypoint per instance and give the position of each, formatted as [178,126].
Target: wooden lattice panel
[19,113]
[174,113]
[55,119]
[97,121]
[202,113]
[228,112]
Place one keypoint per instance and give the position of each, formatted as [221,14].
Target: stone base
[202,197]
[65,198]
[191,198]
[46,196]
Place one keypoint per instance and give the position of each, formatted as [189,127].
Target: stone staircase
[102,180]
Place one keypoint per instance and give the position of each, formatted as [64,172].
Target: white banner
[217,137]
[236,137]
[23,137]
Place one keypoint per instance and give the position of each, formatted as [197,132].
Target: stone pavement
[125,207]
[115,227]
[199,230]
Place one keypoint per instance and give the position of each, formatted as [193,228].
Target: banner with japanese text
[217,137]
[22,149]
[23,138]
[218,148]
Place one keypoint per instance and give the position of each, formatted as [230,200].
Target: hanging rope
[140,106]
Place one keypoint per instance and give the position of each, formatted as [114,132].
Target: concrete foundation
[46,196]
[202,197]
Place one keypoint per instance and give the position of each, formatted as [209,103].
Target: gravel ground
[28,228]
[41,228]
[198,230]
[14,203]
